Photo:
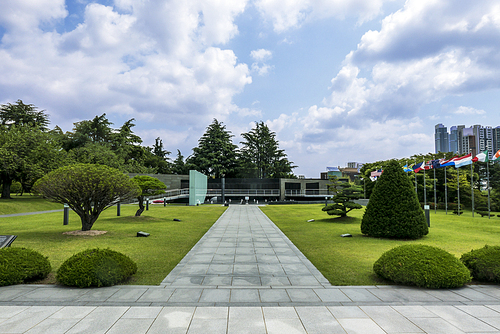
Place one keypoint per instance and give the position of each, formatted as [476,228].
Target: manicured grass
[26,203]
[156,255]
[349,261]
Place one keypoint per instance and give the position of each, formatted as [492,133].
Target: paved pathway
[245,276]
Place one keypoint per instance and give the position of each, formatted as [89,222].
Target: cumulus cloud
[155,60]
[469,111]
[261,57]
[424,52]
[287,14]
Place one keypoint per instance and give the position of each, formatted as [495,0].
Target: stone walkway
[245,276]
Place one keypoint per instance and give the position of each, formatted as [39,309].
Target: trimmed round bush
[484,263]
[96,267]
[20,265]
[423,266]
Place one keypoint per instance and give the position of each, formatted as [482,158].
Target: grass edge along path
[156,255]
[26,203]
[349,261]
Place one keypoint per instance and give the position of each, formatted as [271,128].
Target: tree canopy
[29,150]
[20,113]
[26,154]
[215,154]
[343,198]
[88,189]
[261,156]
[149,186]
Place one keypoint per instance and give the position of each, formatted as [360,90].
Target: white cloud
[287,14]
[261,57]
[469,111]
[21,16]
[423,53]
[283,122]
[154,61]
[397,85]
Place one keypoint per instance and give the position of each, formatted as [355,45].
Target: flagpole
[435,200]
[425,190]
[445,190]
[458,190]
[415,173]
[471,183]
[488,183]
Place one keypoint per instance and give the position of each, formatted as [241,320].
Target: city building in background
[462,140]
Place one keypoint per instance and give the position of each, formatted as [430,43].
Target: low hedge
[423,266]
[21,265]
[484,263]
[96,267]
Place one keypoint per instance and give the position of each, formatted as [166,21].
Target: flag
[463,161]
[376,173]
[496,156]
[483,157]
[407,168]
[436,163]
[428,165]
[449,162]
[418,167]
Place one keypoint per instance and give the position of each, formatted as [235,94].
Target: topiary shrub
[423,266]
[393,210]
[484,263]
[20,265]
[96,267]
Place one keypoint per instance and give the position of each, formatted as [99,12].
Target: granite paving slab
[247,246]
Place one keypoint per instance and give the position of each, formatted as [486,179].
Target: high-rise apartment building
[496,138]
[441,138]
[462,140]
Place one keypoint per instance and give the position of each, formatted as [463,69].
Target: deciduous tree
[88,189]
[26,154]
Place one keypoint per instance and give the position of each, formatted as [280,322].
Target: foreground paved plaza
[245,276]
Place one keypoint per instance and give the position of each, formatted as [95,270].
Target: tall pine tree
[216,154]
[261,156]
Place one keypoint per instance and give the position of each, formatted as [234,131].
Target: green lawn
[343,261]
[349,261]
[156,255]
[26,203]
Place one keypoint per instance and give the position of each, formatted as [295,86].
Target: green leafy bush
[393,210]
[96,267]
[484,263]
[423,266]
[19,265]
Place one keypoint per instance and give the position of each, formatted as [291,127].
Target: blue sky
[337,80]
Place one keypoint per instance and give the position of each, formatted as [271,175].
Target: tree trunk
[6,182]
[86,224]
[87,221]
[141,206]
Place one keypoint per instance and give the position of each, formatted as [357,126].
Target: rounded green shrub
[96,267]
[484,263]
[423,266]
[20,265]
[393,210]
